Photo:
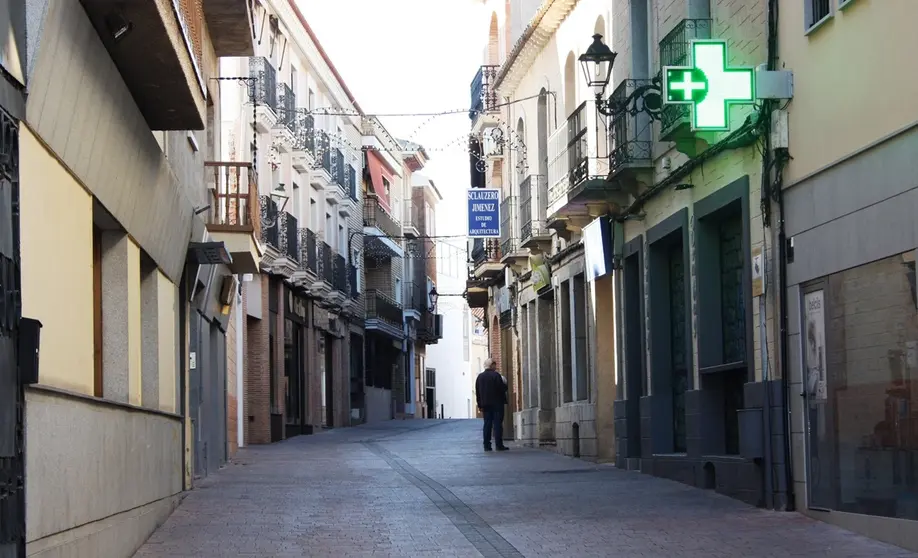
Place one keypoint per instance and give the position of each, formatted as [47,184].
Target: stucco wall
[57,266]
[823,128]
[118,461]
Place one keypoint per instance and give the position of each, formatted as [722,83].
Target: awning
[376,179]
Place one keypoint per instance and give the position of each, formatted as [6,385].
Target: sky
[411,56]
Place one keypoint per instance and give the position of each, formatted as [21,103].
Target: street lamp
[434,295]
[597,64]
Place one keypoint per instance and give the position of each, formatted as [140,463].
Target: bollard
[575,429]
[442,414]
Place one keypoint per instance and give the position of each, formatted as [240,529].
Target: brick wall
[257,381]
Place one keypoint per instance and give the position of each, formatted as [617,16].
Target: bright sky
[410,56]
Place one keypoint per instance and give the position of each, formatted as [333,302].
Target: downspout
[240,371]
[183,363]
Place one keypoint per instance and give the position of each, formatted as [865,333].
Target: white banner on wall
[815,345]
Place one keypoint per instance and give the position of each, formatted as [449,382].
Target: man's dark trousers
[493,419]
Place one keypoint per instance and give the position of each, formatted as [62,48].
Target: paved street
[425,488]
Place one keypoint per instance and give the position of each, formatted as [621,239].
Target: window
[342,241]
[313,211]
[398,290]
[385,184]
[816,11]
[296,201]
[292,78]
[312,100]
[329,231]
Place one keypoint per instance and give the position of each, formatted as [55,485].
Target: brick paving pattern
[425,488]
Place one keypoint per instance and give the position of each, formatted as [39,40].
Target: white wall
[455,374]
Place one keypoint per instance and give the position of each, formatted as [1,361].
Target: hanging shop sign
[484,212]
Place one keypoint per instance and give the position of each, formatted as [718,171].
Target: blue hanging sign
[484,212]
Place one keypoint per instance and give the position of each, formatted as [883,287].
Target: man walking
[491,393]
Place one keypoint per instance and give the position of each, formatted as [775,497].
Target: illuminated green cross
[709,86]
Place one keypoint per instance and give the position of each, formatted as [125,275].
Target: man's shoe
[503,448]
[488,448]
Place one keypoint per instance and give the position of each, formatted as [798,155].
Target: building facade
[132,376]
[667,364]
[850,305]
[294,130]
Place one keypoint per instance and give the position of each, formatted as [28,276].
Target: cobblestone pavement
[425,488]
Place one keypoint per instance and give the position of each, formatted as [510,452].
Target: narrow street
[425,488]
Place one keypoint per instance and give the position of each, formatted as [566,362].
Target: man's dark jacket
[490,390]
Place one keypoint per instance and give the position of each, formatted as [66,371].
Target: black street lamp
[597,64]
[434,295]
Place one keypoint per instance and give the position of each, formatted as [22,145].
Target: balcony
[324,269]
[351,183]
[630,142]
[282,254]
[304,142]
[234,217]
[339,171]
[533,207]
[384,314]
[263,92]
[284,133]
[323,165]
[430,329]
[289,237]
[381,230]
[353,280]
[417,300]
[306,273]
[483,108]
[269,227]
[339,275]
[157,47]
[410,219]
[578,169]
[229,26]
[676,50]
[509,227]
[486,258]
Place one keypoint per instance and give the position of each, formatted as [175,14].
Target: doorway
[294,378]
[431,393]
[329,383]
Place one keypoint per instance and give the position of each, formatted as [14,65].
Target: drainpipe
[240,370]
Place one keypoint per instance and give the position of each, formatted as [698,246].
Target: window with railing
[485,250]
[325,269]
[263,89]
[484,96]
[533,206]
[416,297]
[354,280]
[269,221]
[286,107]
[508,235]
[382,307]
[234,189]
[308,253]
[289,232]
[676,50]
[305,132]
[629,134]
[567,164]
[340,170]
[339,280]
[352,182]
[817,10]
[375,215]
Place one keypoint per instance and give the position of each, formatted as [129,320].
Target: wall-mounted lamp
[434,296]
[597,64]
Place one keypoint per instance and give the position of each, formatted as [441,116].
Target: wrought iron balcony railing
[287,228]
[269,222]
[431,326]
[676,50]
[263,90]
[375,215]
[568,154]
[629,134]
[339,278]
[325,269]
[286,107]
[352,182]
[508,219]
[485,250]
[339,167]
[352,278]
[416,297]
[533,206]
[323,145]
[484,96]
[382,307]
[234,188]
[308,253]
[305,132]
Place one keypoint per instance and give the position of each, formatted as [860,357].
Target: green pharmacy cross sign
[709,86]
